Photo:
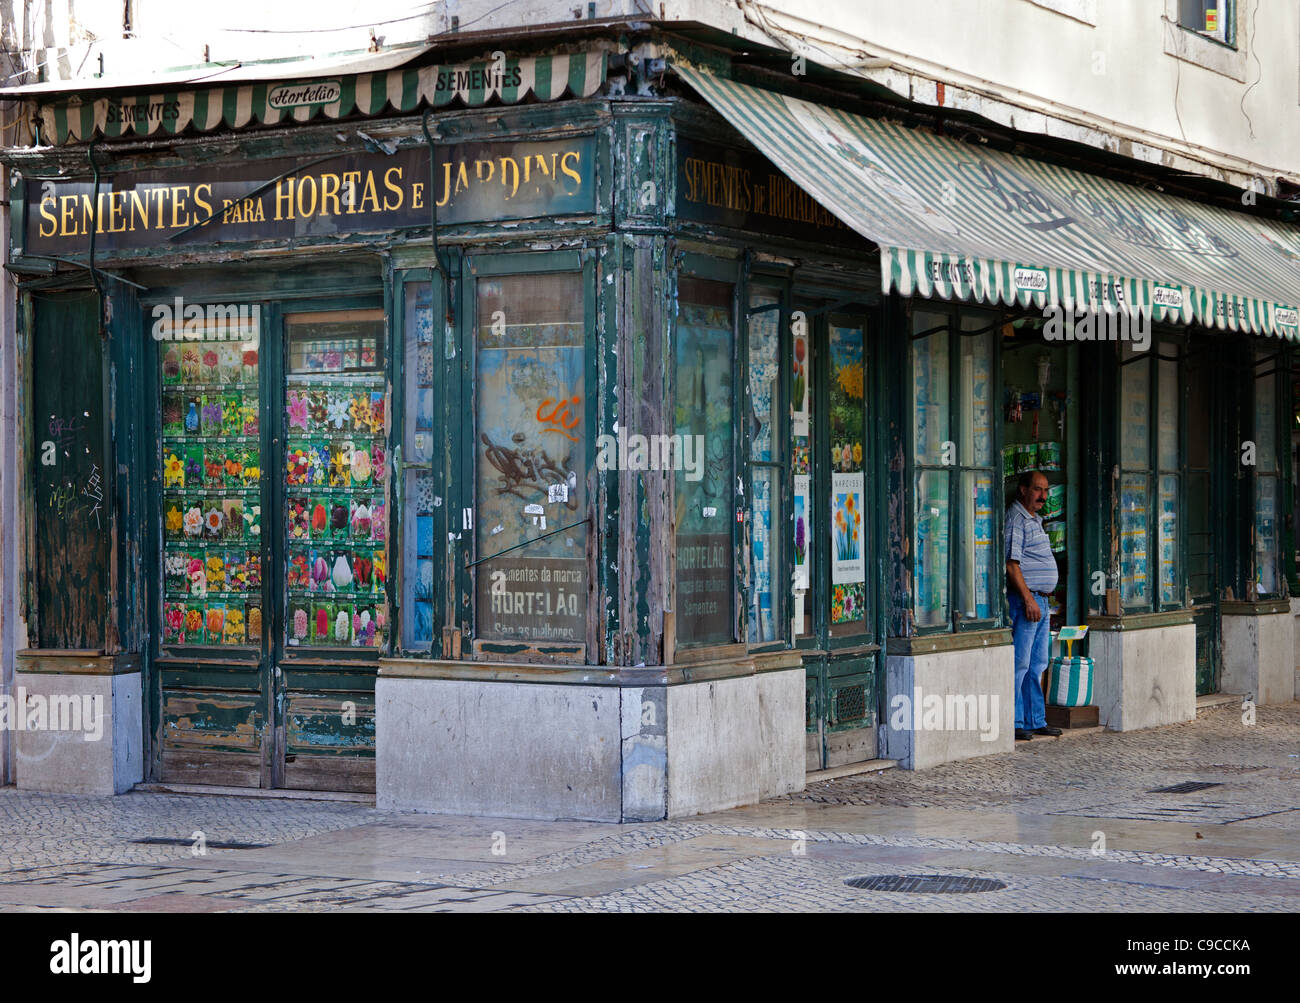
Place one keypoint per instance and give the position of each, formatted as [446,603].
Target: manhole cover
[932,884]
[1186,787]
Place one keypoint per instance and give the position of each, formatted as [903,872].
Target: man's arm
[1017,582]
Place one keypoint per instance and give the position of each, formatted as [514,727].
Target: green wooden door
[272,502]
[1202,531]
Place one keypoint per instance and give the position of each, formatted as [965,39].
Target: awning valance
[956,220]
[235,106]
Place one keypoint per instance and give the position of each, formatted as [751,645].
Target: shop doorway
[269,593]
[1202,373]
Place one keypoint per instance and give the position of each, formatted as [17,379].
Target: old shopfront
[651,482]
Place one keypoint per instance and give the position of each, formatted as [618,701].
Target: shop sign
[1287,320]
[345,194]
[743,190]
[1032,280]
[304,95]
[1170,297]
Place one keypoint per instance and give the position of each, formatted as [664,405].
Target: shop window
[212,485]
[767,468]
[1268,481]
[955,475]
[418,487]
[335,479]
[705,571]
[531,446]
[849,524]
[1150,479]
[806,523]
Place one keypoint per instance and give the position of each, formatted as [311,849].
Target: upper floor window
[1214,19]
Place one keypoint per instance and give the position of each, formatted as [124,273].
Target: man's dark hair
[1027,478]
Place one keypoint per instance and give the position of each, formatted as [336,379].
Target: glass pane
[531,444]
[210,454]
[1266,536]
[1135,415]
[1266,419]
[975,391]
[765,398]
[1167,425]
[417,523]
[1134,587]
[930,388]
[1168,541]
[932,531]
[801,432]
[335,480]
[705,559]
[976,580]
[848,441]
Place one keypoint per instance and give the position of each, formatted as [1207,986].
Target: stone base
[1259,652]
[587,742]
[934,701]
[1143,677]
[1073,717]
[82,731]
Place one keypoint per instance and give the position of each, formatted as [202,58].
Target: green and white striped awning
[236,106]
[960,221]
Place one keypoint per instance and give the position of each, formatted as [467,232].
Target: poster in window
[848,531]
[802,542]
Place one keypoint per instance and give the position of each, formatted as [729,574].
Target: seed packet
[190,365]
[296,412]
[248,364]
[341,632]
[253,565]
[318,517]
[376,414]
[298,574]
[231,423]
[319,571]
[363,572]
[234,631]
[192,518]
[171,365]
[215,570]
[379,570]
[360,466]
[336,411]
[173,469]
[360,518]
[173,414]
[211,363]
[299,624]
[173,519]
[236,571]
[318,411]
[364,628]
[341,464]
[322,622]
[378,462]
[197,574]
[214,465]
[215,615]
[248,419]
[174,623]
[252,521]
[176,578]
[193,460]
[211,415]
[377,521]
[214,520]
[253,620]
[251,475]
[340,565]
[298,526]
[320,463]
[340,512]
[229,367]
[1049,456]
[234,467]
[233,510]
[297,465]
[194,623]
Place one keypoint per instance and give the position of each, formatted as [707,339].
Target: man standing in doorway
[1031,576]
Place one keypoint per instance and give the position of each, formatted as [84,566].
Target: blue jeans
[1032,641]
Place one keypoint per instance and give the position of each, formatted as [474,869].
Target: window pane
[765,398]
[1266,536]
[705,559]
[1167,428]
[805,516]
[336,435]
[932,549]
[530,450]
[212,485]
[417,522]
[1134,587]
[1168,541]
[976,580]
[975,390]
[848,442]
[1266,418]
[930,388]
[1135,416]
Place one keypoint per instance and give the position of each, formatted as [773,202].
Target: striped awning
[236,106]
[960,221]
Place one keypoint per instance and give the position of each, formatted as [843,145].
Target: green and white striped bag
[1069,681]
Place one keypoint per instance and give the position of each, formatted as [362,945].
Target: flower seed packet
[190,367]
[229,366]
[196,572]
[173,414]
[360,466]
[297,466]
[192,518]
[175,576]
[342,624]
[318,516]
[320,464]
[233,510]
[299,572]
[251,474]
[231,424]
[364,627]
[377,520]
[322,622]
[361,517]
[211,363]
[379,570]
[340,565]
[173,519]
[253,565]
[299,624]
[215,615]
[377,414]
[194,623]
[234,632]
[319,571]
[253,624]
[248,365]
[234,470]
[211,416]
[214,519]
[318,412]
[174,623]
[236,571]
[171,365]
[253,522]
[340,510]
[298,526]
[193,460]
[214,465]
[248,419]
[341,464]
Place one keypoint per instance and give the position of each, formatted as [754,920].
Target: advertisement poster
[801,388]
[848,532]
[802,540]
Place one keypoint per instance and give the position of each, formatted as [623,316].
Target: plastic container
[1049,456]
[1055,503]
[1056,535]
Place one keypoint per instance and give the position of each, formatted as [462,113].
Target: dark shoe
[1047,730]
[1022,735]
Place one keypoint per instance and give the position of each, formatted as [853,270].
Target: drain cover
[1186,787]
[212,844]
[933,884]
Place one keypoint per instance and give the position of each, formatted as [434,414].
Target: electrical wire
[346,27]
[1250,44]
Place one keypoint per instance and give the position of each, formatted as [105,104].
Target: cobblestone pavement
[1070,824]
